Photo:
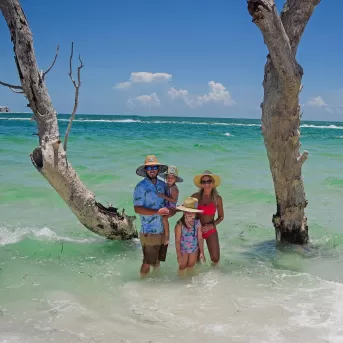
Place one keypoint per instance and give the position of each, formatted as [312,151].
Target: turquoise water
[60,282]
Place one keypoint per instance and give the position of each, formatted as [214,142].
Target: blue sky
[183,58]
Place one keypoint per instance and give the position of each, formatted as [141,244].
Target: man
[151,208]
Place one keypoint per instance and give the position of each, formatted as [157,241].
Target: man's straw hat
[190,205]
[216,178]
[150,160]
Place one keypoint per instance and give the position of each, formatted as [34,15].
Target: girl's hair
[214,194]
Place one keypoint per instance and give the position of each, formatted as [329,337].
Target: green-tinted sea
[61,283]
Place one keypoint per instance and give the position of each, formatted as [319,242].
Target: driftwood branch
[266,17]
[303,157]
[53,62]
[77,87]
[281,111]
[11,87]
[17,92]
[295,16]
[47,158]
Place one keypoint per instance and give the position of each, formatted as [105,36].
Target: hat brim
[216,178]
[140,171]
[178,178]
[187,209]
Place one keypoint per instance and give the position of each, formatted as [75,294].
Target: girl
[188,236]
[210,202]
[172,194]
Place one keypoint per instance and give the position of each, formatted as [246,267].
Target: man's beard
[153,179]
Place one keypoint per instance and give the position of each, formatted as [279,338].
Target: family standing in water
[156,201]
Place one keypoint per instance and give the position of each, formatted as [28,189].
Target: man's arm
[149,211]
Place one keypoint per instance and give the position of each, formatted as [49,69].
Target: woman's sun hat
[172,170]
[150,160]
[197,178]
[190,205]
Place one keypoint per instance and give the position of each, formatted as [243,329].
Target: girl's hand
[161,195]
[202,258]
[179,259]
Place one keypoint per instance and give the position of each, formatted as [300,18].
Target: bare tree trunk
[49,157]
[281,110]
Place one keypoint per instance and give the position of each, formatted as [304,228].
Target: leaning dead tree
[50,157]
[281,110]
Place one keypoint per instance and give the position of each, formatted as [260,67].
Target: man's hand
[164,211]
[166,239]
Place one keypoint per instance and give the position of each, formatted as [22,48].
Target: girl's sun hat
[216,178]
[190,205]
[172,170]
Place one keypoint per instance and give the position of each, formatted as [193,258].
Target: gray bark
[281,110]
[49,157]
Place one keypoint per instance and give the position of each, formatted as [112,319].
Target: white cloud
[144,77]
[144,101]
[123,85]
[174,93]
[317,102]
[217,94]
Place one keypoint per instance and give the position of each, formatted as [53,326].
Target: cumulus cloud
[144,101]
[144,77]
[217,94]
[316,102]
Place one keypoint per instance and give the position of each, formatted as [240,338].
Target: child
[188,236]
[172,194]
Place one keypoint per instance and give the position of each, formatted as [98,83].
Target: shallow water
[60,282]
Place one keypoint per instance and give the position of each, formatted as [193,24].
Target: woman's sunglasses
[151,168]
[204,182]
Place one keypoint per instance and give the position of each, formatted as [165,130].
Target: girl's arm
[201,243]
[178,240]
[174,195]
[220,211]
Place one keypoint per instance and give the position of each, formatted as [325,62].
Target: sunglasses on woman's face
[204,182]
[148,168]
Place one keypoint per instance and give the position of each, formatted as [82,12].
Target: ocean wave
[322,126]
[184,122]
[13,236]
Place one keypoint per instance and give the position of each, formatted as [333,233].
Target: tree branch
[77,87]
[53,62]
[295,16]
[12,87]
[303,157]
[265,16]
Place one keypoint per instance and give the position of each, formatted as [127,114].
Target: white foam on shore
[13,236]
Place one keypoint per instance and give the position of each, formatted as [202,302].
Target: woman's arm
[201,243]
[220,209]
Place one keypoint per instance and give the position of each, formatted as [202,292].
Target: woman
[210,202]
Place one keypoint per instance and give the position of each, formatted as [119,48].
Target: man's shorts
[153,248]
